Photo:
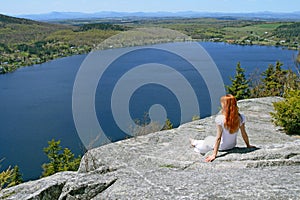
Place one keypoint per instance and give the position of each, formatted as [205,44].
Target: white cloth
[228,140]
[204,146]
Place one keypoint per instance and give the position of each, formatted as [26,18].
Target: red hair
[231,112]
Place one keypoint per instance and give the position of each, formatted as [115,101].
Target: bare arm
[217,144]
[245,136]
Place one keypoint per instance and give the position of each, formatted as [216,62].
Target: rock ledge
[162,165]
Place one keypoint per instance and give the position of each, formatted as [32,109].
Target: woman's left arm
[217,144]
[245,136]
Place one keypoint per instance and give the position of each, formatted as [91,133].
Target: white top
[228,140]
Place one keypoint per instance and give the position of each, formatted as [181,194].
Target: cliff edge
[163,165]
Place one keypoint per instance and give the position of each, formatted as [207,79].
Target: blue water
[36,101]
[226,57]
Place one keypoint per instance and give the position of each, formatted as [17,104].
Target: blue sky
[16,7]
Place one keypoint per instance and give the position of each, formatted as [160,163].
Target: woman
[228,124]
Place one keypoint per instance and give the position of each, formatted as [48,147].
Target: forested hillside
[16,30]
[25,42]
[291,32]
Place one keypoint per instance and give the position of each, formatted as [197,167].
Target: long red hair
[231,112]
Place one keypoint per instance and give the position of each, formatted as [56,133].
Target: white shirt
[228,140]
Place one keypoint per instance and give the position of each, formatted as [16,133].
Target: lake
[36,101]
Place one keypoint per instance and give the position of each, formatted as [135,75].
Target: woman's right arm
[217,144]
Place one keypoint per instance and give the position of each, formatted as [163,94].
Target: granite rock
[163,165]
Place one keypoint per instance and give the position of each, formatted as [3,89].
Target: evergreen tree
[69,162]
[10,177]
[240,85]
[274,80]
[168,125]
[5,177]
[60,160]
[16,177]
[53,154]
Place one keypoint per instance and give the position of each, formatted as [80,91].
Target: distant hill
[25,42]
[19,30]
[4,19]
[110,14]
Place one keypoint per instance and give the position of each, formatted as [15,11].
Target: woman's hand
[210,158]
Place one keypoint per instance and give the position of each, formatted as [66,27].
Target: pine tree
[274,80]
[168,125]
[60,159]
[5,177]
[53,154]
[10,177]
[69,162]
[240,85]
[16,177]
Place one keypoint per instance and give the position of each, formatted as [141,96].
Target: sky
[17,7]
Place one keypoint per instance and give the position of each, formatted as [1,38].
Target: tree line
[274,81]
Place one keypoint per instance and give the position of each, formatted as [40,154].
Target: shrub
[287,112]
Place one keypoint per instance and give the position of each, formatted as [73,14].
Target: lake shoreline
[3,71]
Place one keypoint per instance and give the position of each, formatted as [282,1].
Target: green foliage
[168,125]
[239,87]
[16,177]
[288,31]
[195,117]
[286,83]
[26,42]
[287,112]
[10,177]
[5,177]
[102,26]
[59,159]
[292,81]
[169,166]
[274,80]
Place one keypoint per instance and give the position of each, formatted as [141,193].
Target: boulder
[163,165]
